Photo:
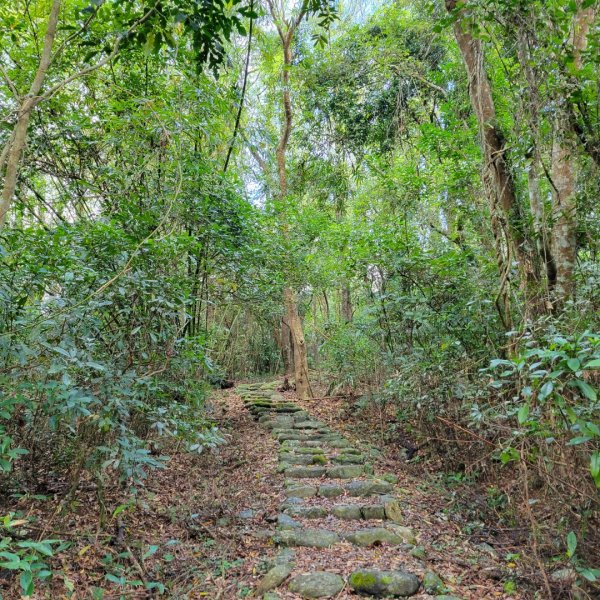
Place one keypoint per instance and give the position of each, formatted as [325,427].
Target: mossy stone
[330,491]
[406,533]
[318,584]
[393,511]
[368,488]
[305,472]
[311,538]
[418,552]
[348,459]
[307,512]
[373,511]
[345,472]
[276,576]
[301,491]
[373,536]
[347,512]
[286,522]
[374,582]
[432,583]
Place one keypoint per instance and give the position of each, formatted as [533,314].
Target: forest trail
[343,531]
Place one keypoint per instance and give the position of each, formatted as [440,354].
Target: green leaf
[26,581]
[574,364]
[593,364]
[523,414]
[595,467]
[586,389]
[571,544]
[41,547]
[546,390]
[151,550]
[582,439]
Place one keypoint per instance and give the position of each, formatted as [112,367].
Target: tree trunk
[11,155]
[508,225]
[290,300]
[300,360]
[536,205]
[564,175]
[346,304]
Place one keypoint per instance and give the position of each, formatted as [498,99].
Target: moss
[319,459]
[363,581]
[369,581]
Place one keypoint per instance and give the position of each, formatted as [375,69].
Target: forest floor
[203,526]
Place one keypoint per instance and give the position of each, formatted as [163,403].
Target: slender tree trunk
[300,361]
[508,225]
[11,155]
[564,174]
[346,304]
[290,299]
[536,204]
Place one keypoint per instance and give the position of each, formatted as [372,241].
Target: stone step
[375,536]
[310,538]
[302,459]
[345,512]
[383,584]
[318,584]
[361,488]
[341,472]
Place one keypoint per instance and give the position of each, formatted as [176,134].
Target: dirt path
[338,529]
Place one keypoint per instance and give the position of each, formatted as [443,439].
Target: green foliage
[550,389]
[27,558]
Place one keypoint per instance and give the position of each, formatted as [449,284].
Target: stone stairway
[332,499]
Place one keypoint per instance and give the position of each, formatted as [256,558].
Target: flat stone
[345,472]
[247,514]
[303,450]
[309,425]
[347,512]
[271,596]
[338,443]
[418,552]
[261,534]
[373,511]
[348,459]
[307,512]
[305,472]
[368,488]
[406,533]
[276,576]
[291,501]
[302,459]
[330,491]
[373,582]
[286,556]
[301,491]
[301,437]
[374,536]
[311,538]
[393,511]
[286,522]
[432,583]
[318,584]
[301,415]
